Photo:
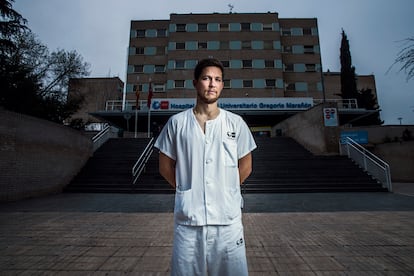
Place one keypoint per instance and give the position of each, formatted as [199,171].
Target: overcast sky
[99,31]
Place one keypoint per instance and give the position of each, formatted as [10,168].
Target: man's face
[209,85]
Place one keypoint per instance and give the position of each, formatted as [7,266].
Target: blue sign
[359,136]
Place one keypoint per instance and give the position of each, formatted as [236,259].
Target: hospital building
[273,68]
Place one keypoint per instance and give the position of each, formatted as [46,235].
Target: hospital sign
[254,104]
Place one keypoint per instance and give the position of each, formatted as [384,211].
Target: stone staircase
[109,169]
[280,165]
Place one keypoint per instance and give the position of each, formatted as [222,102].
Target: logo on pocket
[231,135]
[239,242]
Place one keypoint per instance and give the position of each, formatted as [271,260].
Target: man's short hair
[207,63]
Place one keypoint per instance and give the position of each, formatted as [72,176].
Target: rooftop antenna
[231,7]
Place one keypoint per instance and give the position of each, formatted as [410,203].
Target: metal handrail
[100,133]
[371,163]
[142,161]
[101,137]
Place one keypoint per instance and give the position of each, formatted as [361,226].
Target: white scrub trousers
[214,250]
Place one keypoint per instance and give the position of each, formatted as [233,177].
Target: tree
[406,58]
[32,80]
[365,98]
[11,23]
[348,79]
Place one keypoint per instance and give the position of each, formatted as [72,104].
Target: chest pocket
[230,153]
[229,143]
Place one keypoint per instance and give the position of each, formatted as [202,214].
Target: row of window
[225,45]
[234,83]
[231,64]
[223,27]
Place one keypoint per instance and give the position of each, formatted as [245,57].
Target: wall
[308,129]
[383,134]
[386,142]
[400,158]
[38,157]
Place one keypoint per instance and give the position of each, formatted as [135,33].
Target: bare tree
[406,58]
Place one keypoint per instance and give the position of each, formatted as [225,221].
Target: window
[287,49]
[247,64]
[180,27]
[141,33]
[247,83]
[139,51]
[224,27]
[159,69]
[160,50]
[267,27]
[159,87]
[202,27]
[227,84]
[308,49]
[224,45]
[137,87]
[245,26]
[138,68]
[246,45]
[269,64]
[179,83]
[202,45]
[307,31]
[161,33]
[180,46]
[290,87]
[289,67]
[270,83]
[179,64]
[226,63]
[286,31]
[310,67]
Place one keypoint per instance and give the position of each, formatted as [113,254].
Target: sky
[99,31]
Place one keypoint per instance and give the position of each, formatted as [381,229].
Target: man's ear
[195,83]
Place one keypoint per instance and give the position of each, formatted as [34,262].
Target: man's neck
[206,111]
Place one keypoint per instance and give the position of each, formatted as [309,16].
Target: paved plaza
[286,234]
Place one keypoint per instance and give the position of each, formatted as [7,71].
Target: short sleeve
[245,142]
[166,141]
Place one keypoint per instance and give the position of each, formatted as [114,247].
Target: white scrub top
[207,175]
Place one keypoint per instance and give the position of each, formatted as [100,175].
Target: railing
[142,161]
[129,105]
[342,103]
[376,167]
[101,137]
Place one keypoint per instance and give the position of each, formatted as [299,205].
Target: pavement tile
[259,264]
[152,264]
[290,264]
[112,235]
[123,264]
[323,264]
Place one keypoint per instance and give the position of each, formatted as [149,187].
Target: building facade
[272,68]
[264,56]
[96,92]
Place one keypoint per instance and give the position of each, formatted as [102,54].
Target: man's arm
[245,167]
[167,168]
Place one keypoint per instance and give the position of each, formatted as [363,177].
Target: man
[205,153]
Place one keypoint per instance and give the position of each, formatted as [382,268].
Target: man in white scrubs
[205,154]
